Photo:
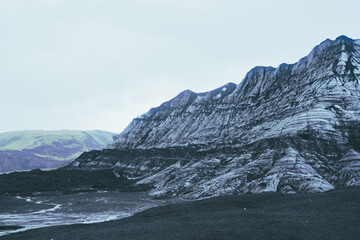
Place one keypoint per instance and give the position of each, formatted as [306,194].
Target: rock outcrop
[295,128]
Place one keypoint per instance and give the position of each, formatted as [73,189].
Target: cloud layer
[90,64]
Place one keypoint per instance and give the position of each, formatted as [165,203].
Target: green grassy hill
[24,150]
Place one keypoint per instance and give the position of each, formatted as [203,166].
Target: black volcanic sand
[65,181]
[12,227]
[331,215]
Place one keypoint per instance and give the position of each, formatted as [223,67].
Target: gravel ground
[330,215]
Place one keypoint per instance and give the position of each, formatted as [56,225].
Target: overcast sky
[92,64]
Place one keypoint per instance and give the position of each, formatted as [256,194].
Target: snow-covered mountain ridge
[295,128]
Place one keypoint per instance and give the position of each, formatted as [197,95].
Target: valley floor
[330,215]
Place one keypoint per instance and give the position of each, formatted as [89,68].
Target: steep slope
[24,150]
[295,128]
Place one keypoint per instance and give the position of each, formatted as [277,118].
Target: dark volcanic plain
[329,215]
[64,181]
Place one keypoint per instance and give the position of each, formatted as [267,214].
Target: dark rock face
[292,129]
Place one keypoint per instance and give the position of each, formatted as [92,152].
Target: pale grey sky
[91,64]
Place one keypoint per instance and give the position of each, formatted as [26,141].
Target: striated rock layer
[295,128]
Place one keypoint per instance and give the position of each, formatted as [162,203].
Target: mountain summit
[295,128]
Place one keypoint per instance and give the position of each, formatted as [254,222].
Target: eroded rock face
[292,129]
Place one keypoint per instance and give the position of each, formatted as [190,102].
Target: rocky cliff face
[295,128]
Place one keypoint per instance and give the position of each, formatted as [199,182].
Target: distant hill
[25,150]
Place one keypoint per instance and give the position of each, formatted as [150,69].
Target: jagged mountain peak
[185,99]
[327,65]
[294,128]
[345,39]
